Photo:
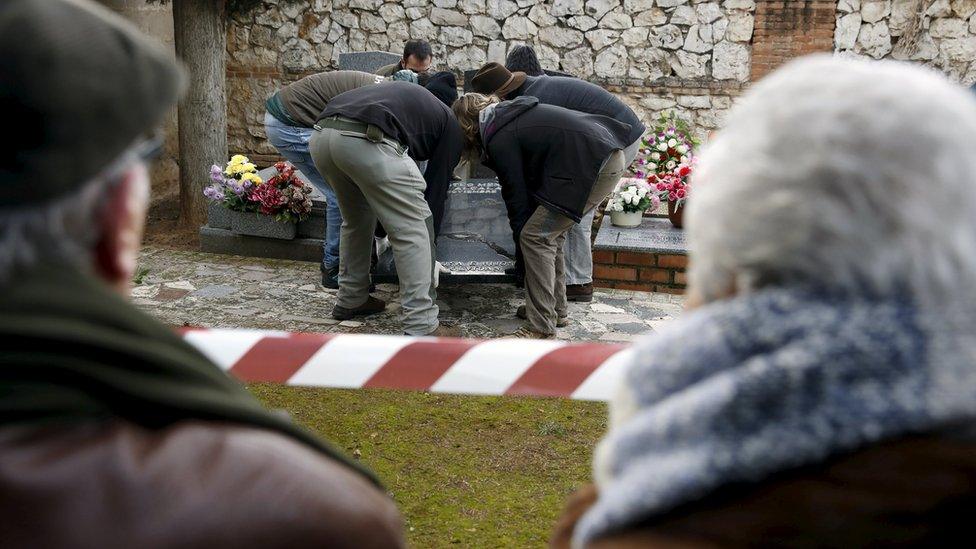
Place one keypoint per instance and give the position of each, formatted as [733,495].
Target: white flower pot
[626,219]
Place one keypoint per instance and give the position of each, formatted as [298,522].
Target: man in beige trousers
[366,142]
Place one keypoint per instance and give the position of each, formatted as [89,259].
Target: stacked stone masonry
[648,272]
[937,33]
[689,56]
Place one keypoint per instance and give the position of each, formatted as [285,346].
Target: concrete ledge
[655,235]
[222,241]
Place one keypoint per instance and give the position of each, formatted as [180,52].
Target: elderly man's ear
[120,228]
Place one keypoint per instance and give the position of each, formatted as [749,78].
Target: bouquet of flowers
[666,158]
[238,187]
[633,195]
[672,186]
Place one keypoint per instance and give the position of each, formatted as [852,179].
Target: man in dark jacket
[417,57]
[367,143]
[113,431]
[554,165]
[577,95]
[291,113]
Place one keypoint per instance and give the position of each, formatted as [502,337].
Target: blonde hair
[466,109]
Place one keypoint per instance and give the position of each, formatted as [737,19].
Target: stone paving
[185,288]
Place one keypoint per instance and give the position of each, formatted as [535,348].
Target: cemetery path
[188,288]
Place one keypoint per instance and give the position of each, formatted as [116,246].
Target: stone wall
[938,33]
[692,56]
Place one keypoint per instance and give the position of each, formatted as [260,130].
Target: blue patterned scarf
[759,384]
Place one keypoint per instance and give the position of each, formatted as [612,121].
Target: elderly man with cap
[113,431]
[576,95]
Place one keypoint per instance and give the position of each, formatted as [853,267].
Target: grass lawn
[465,471]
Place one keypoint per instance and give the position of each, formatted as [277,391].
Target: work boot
[445,331]
[561,321]
[579,292]
[330,277]
[371,307]
[528,333]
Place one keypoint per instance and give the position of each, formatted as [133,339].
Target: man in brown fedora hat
[495,79]
[576,95]
[114,432]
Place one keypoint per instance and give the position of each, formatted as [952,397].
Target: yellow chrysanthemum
[252,177]
[237,159]
[248,167]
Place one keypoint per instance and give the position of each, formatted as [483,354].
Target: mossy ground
[465,471]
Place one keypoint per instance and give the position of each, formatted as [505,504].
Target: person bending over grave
[821,390]
[554,166]
[417,56]
[290,114]
[366,143]
[522,58]
[581,96]
[114,432]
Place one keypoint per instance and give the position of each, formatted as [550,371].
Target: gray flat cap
[78,85]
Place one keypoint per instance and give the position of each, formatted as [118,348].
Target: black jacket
[547,155]
[579,95]
[412,116]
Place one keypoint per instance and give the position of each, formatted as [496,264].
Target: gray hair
[852,176]
[62,231]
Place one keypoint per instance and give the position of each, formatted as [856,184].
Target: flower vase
[676,214]
[626,219]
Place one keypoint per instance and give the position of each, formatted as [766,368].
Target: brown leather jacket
[917,492]
[195,484]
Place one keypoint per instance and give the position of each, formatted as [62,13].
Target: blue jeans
[292,143]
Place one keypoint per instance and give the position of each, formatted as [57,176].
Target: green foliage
[669,120]
[140,276]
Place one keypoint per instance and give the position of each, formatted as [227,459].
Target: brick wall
[785,29]
[648,272]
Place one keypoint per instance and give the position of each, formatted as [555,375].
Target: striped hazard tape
[584,371]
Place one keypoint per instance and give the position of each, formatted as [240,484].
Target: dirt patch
[163,227]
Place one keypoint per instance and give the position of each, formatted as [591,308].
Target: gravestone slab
[476,243]
[654,235]
[366,61]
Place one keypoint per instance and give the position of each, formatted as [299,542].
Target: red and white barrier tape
[583,371]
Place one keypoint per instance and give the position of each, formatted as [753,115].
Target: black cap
[444,87]
[78,85]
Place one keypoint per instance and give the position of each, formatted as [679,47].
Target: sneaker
[561,321]
[330,277]
[371,307]
[579,292]
[445,331]
[528,333]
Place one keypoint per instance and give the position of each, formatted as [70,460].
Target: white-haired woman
[821,391]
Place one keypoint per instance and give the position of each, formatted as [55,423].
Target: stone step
[651,257]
